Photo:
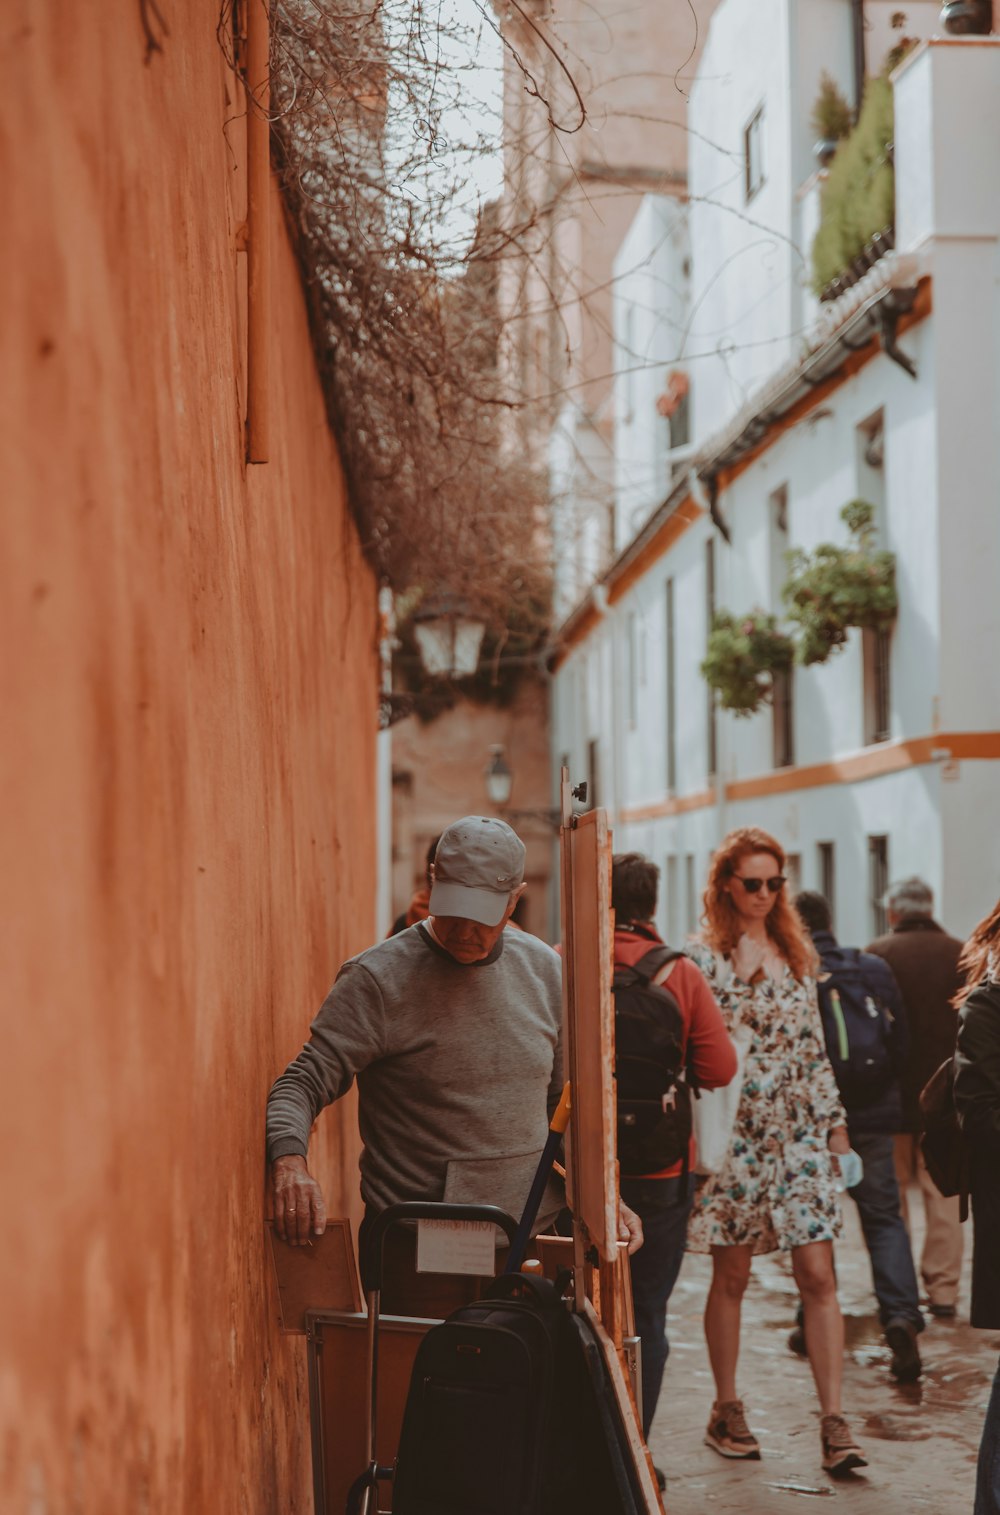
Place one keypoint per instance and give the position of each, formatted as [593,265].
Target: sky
[463,164]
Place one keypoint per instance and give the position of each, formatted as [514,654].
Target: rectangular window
[680,422]
[870,467]
[793,873]
[593,775]
[670,903]
[875,645]
[671,661]
[876,649]
[626,358]
[878,881]
[753,153]
[691,896]
[778,542]
[713,714]
[632,669]
[783,718]
[826,869]
[782,711]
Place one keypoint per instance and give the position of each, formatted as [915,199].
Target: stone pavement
[921,1439]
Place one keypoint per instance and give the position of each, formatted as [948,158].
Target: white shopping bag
[714,1111]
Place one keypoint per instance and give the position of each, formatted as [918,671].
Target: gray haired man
[924,962]
[453,1030]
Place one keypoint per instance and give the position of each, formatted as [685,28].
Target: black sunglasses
[755,885]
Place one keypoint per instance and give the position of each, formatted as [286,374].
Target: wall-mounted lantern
[448,638]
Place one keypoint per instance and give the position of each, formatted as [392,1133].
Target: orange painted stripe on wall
[873,762]
[671,531]
[676,806]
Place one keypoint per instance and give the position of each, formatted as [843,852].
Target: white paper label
[456,1246]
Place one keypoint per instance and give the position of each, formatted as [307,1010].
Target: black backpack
[504,1413]
[858,1028]
[654,1100]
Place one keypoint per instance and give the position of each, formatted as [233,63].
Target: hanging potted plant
[831,119]
[834,588]
[744,653]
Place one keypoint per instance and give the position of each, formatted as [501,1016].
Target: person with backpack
[864,1022]
[977,1103]
[669,1033]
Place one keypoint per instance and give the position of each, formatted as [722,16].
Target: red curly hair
[723,927]
[980,954]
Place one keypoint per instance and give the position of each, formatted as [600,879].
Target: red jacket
[708,1048]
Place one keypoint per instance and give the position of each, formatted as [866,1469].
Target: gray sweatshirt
[458,1067]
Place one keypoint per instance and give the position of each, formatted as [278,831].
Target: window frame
[753,138]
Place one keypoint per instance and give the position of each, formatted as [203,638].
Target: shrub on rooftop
[859,194]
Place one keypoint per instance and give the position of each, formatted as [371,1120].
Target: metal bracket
[888,320]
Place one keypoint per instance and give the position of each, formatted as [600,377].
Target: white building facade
[884,761]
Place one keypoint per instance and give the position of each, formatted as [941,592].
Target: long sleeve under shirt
[458,1068]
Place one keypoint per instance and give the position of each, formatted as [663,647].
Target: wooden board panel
[641,1460]
[322,1276]
[554,1253]
[340,1407]
[589,1027]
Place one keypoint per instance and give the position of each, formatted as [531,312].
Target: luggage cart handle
[415,1209]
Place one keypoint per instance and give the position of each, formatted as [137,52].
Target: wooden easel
[318,1289]
[601,1276]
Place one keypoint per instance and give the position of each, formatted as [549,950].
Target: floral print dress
[775,1189]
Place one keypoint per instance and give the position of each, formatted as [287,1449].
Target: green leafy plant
[859,197]
[831,117]
[834,588]
[744,653]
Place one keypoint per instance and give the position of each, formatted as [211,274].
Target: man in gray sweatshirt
[453,1031]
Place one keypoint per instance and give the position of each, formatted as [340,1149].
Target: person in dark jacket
[924,962]
[977,1101]
[663,1199]
[874,1114]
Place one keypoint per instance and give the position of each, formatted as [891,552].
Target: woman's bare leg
[812,1266]
[730,1276]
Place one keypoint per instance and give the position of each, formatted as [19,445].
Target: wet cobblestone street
[921,1439]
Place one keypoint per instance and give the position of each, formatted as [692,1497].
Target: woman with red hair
[776,1188]
[977,1100]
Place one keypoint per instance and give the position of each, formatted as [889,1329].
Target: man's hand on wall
[299,1209]
[629,1227]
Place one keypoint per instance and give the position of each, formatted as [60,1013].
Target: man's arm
[711,1055]
[347,1036]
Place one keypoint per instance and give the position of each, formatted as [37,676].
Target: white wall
[741,251]
[948,189]
[940,517]
[651,277]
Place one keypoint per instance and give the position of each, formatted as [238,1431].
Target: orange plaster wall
[187,803]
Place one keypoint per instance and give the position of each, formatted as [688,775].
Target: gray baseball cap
[478,864]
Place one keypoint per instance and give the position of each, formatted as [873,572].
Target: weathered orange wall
[187,800]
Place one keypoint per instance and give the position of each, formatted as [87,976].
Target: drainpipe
[258,86]
[600,600]
[858,38]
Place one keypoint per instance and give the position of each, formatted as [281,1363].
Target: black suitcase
[481,1421]
[363,1496]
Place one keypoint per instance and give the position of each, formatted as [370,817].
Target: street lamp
[499,778]
[448,638]
[500,782]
